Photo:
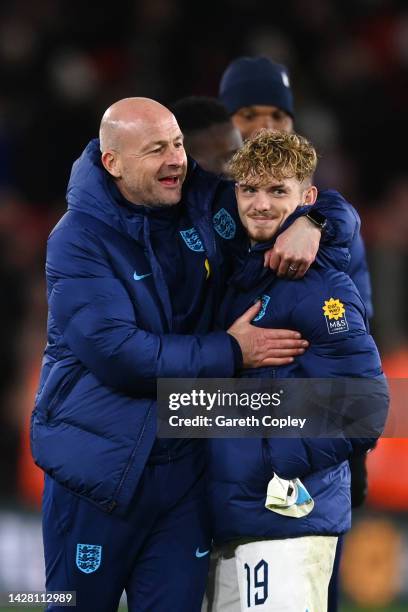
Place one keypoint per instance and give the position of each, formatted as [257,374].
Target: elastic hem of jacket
[227,548]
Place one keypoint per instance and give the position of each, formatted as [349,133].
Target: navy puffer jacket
[112,331]
[340,346]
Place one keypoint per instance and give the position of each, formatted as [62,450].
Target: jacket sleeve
[342,348]
[359,273]
[96,317]
[343,221]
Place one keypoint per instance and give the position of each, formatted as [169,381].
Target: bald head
[142,149]
[128,115]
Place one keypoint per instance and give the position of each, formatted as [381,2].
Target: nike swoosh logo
[137,277]
[201,554]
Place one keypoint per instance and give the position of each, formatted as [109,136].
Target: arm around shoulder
[98,320]
[343,221]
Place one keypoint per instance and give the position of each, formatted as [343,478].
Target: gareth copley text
[249,421]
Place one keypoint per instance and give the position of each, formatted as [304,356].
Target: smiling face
[273,174]
[263,208]
[154,165]
[146,156]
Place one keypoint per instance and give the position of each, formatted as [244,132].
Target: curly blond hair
[270,153]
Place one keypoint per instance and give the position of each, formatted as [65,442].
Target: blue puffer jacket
[112,330]
[239,469]
[132,292]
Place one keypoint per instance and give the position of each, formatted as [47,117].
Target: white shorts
[290,575]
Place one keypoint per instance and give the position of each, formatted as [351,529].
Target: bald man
[135,269]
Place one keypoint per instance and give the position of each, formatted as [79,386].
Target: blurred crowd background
[62,62]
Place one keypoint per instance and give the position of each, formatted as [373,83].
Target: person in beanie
[257,94]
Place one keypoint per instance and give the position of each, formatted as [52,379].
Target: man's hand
[294,250]
[265,347]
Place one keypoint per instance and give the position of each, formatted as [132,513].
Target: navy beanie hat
[249,81]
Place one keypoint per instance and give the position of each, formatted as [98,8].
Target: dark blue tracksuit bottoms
[158,553]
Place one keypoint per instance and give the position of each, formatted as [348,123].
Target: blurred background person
[257,94]
[210,136]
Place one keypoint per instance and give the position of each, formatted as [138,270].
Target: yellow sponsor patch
[335,314]
[333,309]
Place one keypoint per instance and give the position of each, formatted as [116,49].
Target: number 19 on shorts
[256,583]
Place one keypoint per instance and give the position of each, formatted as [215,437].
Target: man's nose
[177,156]
[262,202]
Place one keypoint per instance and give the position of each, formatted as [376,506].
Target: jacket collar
[92,191]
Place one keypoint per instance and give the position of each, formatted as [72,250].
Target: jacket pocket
[63,390]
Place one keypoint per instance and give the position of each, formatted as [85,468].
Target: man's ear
[310,195]
[111,163]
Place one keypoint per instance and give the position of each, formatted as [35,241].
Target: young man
[257,94]
[210,137]
[283,563]
[135,271]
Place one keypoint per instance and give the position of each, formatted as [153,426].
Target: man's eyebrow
[156,143]
[246,184]
[261,185]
